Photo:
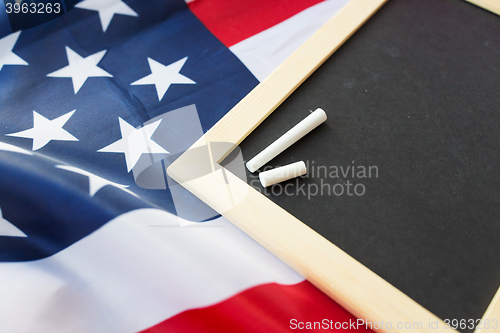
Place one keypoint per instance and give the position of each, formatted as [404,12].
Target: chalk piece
[278,175]
[286,140]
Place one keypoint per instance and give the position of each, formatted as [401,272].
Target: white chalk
[278,175]
[286,140]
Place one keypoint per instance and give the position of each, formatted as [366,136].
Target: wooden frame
[492,312]
[348,282]
[491,5]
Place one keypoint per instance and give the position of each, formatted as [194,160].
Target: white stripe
[134,272]
[264,52]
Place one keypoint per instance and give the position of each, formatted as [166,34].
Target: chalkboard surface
[413,104]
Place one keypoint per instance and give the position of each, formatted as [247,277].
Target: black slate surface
[416,93]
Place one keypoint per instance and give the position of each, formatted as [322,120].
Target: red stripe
[232,21]
[265,308]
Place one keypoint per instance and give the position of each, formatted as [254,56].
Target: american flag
[84,245]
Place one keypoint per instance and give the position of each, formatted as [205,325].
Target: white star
[7,57]
[135,142]
[8,229]
[44,130]
[15,149]
[163,76]
[80,69]
[95,182]
[107,9]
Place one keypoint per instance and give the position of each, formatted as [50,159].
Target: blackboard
[415,95]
